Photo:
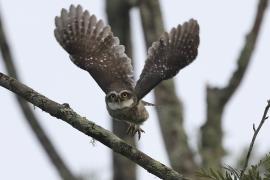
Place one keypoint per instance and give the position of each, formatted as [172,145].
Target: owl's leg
[133,129]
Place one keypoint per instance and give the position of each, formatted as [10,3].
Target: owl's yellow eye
[124,94]
[112,96]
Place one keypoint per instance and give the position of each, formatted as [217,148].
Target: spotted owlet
[93,47]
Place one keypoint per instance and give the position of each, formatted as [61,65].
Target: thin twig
[89,128]
[29,115]
[256,131]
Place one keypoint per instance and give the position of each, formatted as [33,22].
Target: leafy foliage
[260,171]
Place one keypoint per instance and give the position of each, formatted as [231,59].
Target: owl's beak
[118,99]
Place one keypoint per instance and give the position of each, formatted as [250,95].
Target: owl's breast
[136,114]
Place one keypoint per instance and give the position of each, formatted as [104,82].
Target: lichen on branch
[65,113]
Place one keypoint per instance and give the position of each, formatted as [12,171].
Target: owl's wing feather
[93,47]
[166,57]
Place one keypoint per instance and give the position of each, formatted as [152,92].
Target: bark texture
[212,150]
[31,119]
[89,128]
[170,114]
[119,20]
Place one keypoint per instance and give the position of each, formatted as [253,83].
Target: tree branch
[29,115]
[256,131]
[211,143]
[246,53]
[170,115]
[89,128]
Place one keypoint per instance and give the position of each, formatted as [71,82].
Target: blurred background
[44,66]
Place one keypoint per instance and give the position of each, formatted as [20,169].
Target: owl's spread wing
[166,57]
[93,47]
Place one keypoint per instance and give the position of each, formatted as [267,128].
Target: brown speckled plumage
[93,47]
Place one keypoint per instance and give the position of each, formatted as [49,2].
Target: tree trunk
[170,114]
[119,20]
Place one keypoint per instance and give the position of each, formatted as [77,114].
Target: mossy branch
[89,128]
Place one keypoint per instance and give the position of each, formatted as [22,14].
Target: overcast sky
[45,66]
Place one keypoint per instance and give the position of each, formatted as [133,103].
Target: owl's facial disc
[121,100]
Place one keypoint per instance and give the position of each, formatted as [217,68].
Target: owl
[92,46]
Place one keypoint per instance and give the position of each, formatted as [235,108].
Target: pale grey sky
[45,66]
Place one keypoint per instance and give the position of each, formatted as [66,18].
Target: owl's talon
[139,133]
[128,130]
[133,129]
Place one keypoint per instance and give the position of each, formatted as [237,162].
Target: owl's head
[120,100]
